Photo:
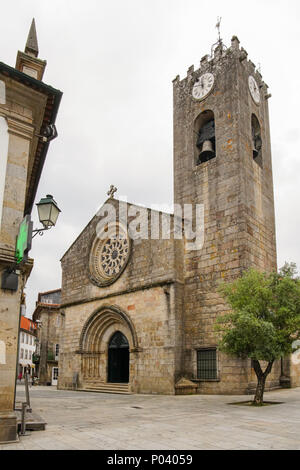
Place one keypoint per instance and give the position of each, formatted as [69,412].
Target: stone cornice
[151,285]
[42,102]
[7,255]
[98,353]
[20,128]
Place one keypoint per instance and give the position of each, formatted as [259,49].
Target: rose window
[109,256]
[113,256]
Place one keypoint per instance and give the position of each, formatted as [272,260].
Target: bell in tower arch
[206,142]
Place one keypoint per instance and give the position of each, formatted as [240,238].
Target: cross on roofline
[112,190]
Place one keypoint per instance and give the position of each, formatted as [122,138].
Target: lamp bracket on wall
[49,133]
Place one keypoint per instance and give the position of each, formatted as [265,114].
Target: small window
[22,353]
[26,354]
[207,364]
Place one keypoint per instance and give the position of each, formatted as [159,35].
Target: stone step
[100,390]
[34,422]
[93,386]
[122,389]
[106,385]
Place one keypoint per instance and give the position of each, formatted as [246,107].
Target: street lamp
[48,211]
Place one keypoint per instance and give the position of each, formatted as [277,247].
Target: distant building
[27,345]
[49,318]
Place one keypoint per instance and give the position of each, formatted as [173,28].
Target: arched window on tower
[205,139]
[256,140]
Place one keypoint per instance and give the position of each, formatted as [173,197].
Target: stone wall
[151,359]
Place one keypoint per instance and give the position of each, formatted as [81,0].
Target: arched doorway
[97,357]
[118,359]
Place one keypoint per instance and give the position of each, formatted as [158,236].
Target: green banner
[24,238]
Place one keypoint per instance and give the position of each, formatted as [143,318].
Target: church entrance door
[118,359]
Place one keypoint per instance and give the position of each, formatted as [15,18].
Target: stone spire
[31,47]
[28,61]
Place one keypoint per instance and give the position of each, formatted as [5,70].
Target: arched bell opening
[256,140]
[118,359]
[205,138]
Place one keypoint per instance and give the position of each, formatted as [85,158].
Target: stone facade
[141,304]
[165,300]
[27,106]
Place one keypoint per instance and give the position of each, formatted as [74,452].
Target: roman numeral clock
[203,86]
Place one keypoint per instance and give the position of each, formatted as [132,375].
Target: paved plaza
[83,420]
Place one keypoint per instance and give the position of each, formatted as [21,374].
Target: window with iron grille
[207,364]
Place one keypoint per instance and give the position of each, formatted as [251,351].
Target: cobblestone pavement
[83,420]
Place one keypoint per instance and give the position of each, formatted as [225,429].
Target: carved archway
[95,336]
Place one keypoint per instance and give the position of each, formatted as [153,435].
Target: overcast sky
[115,62]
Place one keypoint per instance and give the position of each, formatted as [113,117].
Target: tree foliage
[264,321]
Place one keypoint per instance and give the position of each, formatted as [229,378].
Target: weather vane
[112,191]
[218,25]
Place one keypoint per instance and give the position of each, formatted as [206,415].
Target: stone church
[139,313]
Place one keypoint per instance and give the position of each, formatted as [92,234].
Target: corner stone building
[139,313]
[27,107]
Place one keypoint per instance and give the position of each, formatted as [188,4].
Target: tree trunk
[260,388]
[261,381]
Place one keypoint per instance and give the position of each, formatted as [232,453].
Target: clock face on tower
[254,90]
[203,86]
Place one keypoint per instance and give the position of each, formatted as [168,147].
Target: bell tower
[222,160]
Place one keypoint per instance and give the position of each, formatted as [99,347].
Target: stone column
[20,135]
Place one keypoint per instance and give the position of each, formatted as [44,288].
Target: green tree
[264,322]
